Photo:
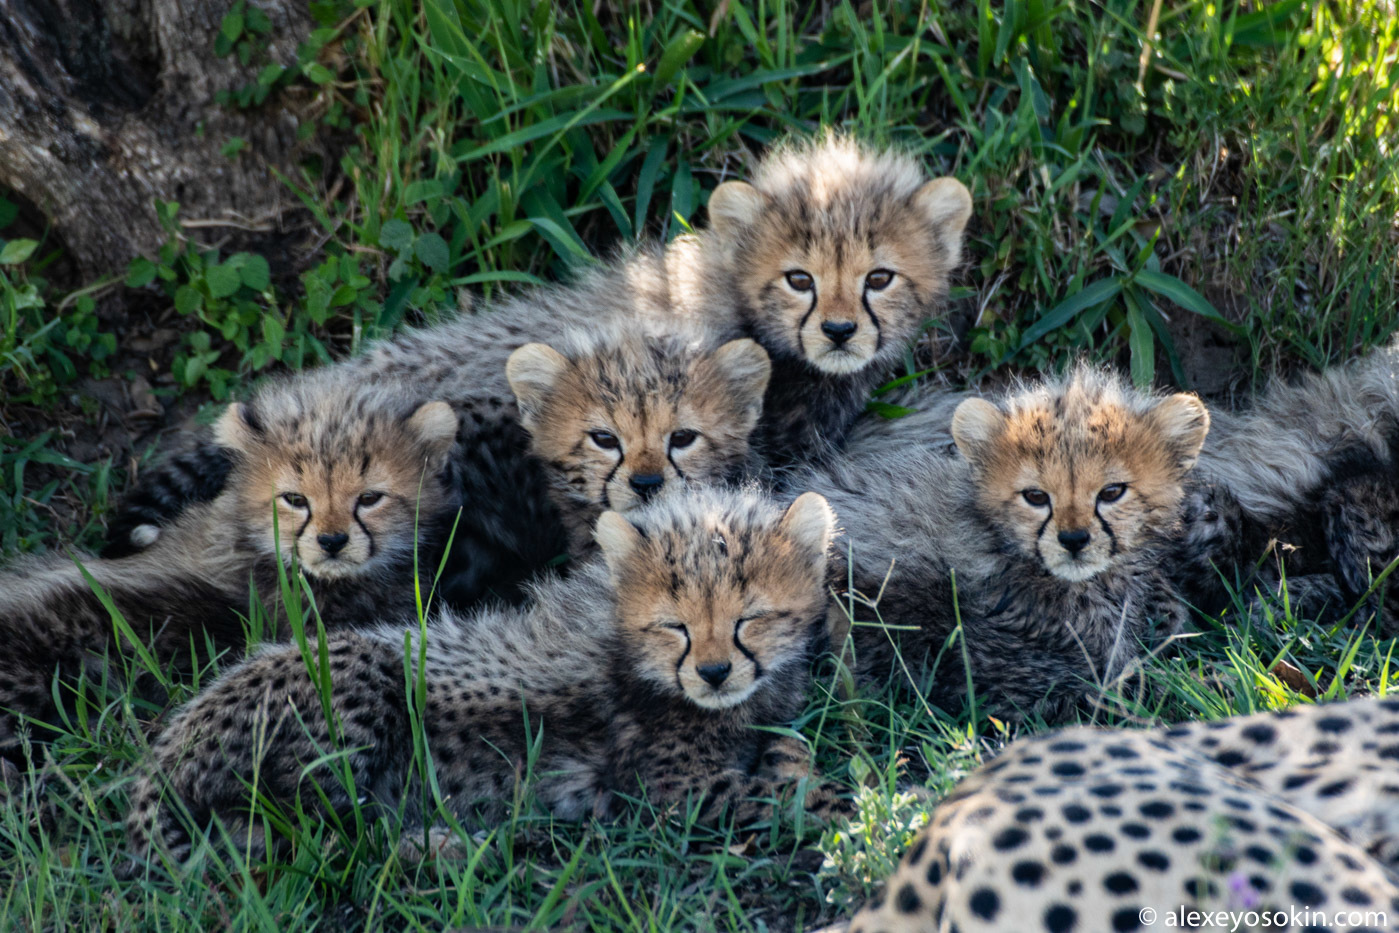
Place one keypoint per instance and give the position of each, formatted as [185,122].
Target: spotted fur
[834,255]
[644,673]
[1082,829]
[1054,520]
[366,469]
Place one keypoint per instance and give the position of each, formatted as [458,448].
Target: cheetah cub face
[638,417]
[714,602]
[1082,475]
[347,473]
[839,252]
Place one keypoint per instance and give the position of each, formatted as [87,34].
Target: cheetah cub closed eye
[1092,829]
[643,673]
[342,483]
[1054,520]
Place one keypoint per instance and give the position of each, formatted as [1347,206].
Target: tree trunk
[108,105]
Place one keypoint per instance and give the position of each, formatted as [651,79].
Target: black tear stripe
[878,325]
[607,481]
[757,667]
[367,533]
[679,473]
[1107,530]
[801,325]
[680,663]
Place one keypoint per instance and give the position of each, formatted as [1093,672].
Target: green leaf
[223,280]
[273,332]
[17,251]
[188,300]
[319,74]
[232,26]
[422,190]
[1095,294]
[396,235]
[432,250]
[885,410]
[344,295]
[1141,344]
[1172,288]
[676,55]
[140,272]
[255,273]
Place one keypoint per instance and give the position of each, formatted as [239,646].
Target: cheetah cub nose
[715,674]
[838,332]
[332,544]
[646,485]
[1074,541]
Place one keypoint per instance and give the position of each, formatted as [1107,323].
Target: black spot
[1110,810]
[1307,894]
[1063,854]
[1334,789]
[1027,873]
[985,903]
[935,872]
[1261,733]
[1060,918]
[1185,835]
[1121,751]
[1107,790]
[1029,815]
[1243,825]
[907,900]
[1157,810]
[1305,855]
[1075,813]
[1136,830]
[1119,882]
[1128,918]
[1012,838]
[1156,861]
[1067,769]
[1062,748]
[1231,758]
[915,855]
[1201,889]
[1259,854]
[1333,724]
[1099,843]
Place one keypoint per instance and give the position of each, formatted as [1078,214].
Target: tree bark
[108,105]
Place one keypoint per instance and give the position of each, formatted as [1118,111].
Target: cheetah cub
[1054,521]
[342,483]
[833,257]
[644,673]
[1094,829]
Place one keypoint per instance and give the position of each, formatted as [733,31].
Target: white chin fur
[839,362]
[332,569]
[1075,571]
[722,700]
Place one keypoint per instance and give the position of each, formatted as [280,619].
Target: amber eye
[879,279]
[1112,492]
[1036,497]
[800,281]
[605,439]
[370,498]
[679,440]
[294,499]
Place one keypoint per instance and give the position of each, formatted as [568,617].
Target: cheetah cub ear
[975,426]
[533,371]
[947,204]
[1183,421]
[238,428]
[810,523]
[742,370]
[735,205]
[618,539]
[435,424]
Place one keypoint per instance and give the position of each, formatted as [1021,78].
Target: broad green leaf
[1170,287]
[188,300]
[1095,294]
[255,273]
[17,251]
[396,235]
[140,272]
[232,26]
[223,280]
[1141,344]
[432,250]
[422,190]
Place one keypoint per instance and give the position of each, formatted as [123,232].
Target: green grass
[1248,172]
